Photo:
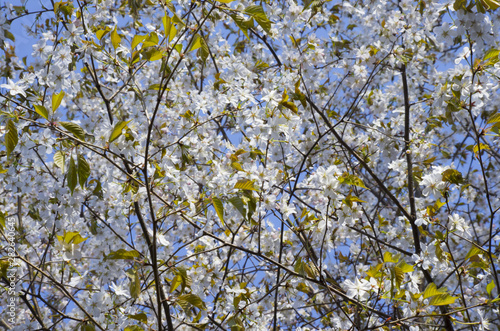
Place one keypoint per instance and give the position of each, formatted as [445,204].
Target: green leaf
[117,130]
[237,166]
[11,137]
[452,176]
[83,170]
[257,12]
[388,257]
[100,33]
[2,220]
[225,1]
[75,129]
[133,327]
[473,252]
[399,275]
[9,35]
[115,38]
[60,160]
[480,145]
[490,4]
[192,299]
[490,287]
[137,40]
[151,40]
[349,199]
[155,55]
[243,24]
[71,238]
[238,203]
[348,179]
[87,327]
[172,33]
[492,54]
[298,267]
[135,286]
[495,118]
[42,111]
[141,317]
[56,100]
[72,175]
[122,254]
[195,44]
[203,52]
[245,184]
[167,22]
[406,268]
[4,266]
[176,281]
[432,290]
[442,299]
[219,208]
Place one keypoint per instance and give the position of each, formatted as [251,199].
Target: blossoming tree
[194,165]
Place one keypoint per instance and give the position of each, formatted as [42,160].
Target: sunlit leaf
[141,317]
[442,299]
[42,111]
[257,12]
[115,39]
[11,137]
[432,290]
[245,184]
[195,44]
[135,286]
[219,208]
[75,129]
[122,254]
[192,299]
[117,130]
[56,100]
[137,40]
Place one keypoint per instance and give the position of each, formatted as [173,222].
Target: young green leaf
[75,129]
[432,290]
[192,299]
[60,160]
[238,203]
[442,299]
[243,24]
[117,130]
[11,138]
[137,40]
[203,52]
[42,111]
[83,170]
[135,286]
[175,283]
[257,12]
[72,176]
[452,176]
[195,44]
[115,38]
[141,317]
[245,184]
[219,208]
[133,328]
[490,287]
[122,254]
[56,100]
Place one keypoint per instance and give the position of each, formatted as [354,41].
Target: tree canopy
[240,165]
